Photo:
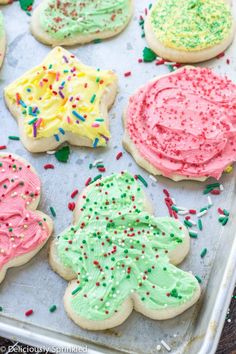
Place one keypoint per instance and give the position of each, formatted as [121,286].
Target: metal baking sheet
[36,286]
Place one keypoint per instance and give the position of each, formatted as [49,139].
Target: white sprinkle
[51,152]
[165,345]
[221,187]
[209,200]
[183,212]
[181,208]
[158,347]
[173,200]
[229,320]
[152,178]
[192,222]
[96,162]
[199,215]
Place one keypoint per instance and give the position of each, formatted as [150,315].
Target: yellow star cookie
[62,100]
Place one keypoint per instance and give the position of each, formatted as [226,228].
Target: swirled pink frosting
[21,230]
[185,123]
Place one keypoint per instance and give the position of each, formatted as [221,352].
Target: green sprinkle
[193,234]
[225,221]
[76,290]
[171,68]
[52,308]
[198,279]
[188,223]
[53,212]
[175,208]
[203,253]
[144,182]
[148,55]
[62,155]
[13,137]
[213,185]
[226,212]
[203,209]
[97,177]
[199,224]
[25,4]
[93,98]
[96,41]
[1,308]
[32,121]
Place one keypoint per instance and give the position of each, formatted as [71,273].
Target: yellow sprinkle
[229,169]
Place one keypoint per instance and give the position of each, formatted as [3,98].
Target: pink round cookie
[23,229]
[183,125]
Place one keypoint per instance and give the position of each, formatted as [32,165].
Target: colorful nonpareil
[182,125]
[63,22]
[23,229]
[119,257]
[186,26]
[62,100]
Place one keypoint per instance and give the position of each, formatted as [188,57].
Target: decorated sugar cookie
[2,39]
[183,125]
[62,100]
[61,22]
[119,257]
[189,31]
[23,229]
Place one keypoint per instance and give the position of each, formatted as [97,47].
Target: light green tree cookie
[120,257]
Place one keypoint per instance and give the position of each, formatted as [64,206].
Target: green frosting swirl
[65,19]
[116,249]
[191,24]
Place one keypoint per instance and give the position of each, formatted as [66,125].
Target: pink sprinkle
[73,194]
[88,181]
[39,121]
[68,119]
[95,125]
[57,76]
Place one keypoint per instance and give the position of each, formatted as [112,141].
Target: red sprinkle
[119,155]
[140,60]
[101,169]
[228,61]
[160,62]
[2,147]
[220,211]
[29,312]
[48,166]
[215,192]
[165,191]
[88,181]
[192,211]
[71,206]
[128,73]
[220,55]
[73,194]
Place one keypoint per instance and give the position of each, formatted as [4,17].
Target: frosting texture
[62,19]
[117,249]
[191,25]
[62,95]
[185,123]
[21,230]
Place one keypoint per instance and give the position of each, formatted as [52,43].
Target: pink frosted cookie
[23,229]
[183,125]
